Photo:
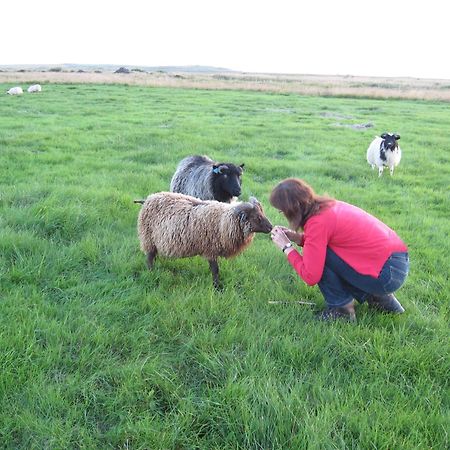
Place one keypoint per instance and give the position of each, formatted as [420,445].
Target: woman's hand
[292,235]
[279,238]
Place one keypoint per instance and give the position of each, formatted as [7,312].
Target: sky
[341,37]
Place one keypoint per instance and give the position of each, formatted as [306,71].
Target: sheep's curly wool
[177,225]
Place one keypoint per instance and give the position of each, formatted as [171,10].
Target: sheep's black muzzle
[264,227]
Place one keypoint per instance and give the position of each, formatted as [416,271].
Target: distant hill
[110,68]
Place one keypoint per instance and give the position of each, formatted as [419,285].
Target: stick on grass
[295,302]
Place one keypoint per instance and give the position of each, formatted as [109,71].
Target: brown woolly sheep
[180,226]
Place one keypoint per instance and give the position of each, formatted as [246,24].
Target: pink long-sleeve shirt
[360,239]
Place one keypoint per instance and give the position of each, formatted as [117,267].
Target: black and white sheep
[179,226]
[384,152]
[201,177]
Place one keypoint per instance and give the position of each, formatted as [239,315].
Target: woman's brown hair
[297,201]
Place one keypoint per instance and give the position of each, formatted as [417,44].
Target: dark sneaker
[332,314]
[385,303]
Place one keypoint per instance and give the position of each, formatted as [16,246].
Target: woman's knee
[334,289]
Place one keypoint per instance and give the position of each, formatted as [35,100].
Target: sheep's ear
[220,169]
[255,202]
[384,135]
[242,166]
[397,137]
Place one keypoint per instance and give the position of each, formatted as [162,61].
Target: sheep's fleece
[178,225]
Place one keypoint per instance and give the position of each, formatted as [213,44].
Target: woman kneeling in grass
[349,253]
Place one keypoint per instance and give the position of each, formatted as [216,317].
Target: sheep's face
[252,217]
[390,141]
[227,179]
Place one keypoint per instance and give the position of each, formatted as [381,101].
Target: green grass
[98,353]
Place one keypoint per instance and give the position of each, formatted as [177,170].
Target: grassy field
[98,353]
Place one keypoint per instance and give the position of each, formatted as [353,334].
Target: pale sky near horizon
[346,37]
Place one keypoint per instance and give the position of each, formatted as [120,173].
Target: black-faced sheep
[384,152]
[201,177]
[178,226]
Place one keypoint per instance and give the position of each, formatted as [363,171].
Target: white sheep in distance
[17,90]
[384,152]
[179,226]
[35,88]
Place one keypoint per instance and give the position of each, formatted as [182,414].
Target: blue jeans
[340,283]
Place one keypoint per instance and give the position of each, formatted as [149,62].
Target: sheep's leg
[391,170]
[215,272]
[380,171]
[151,255]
